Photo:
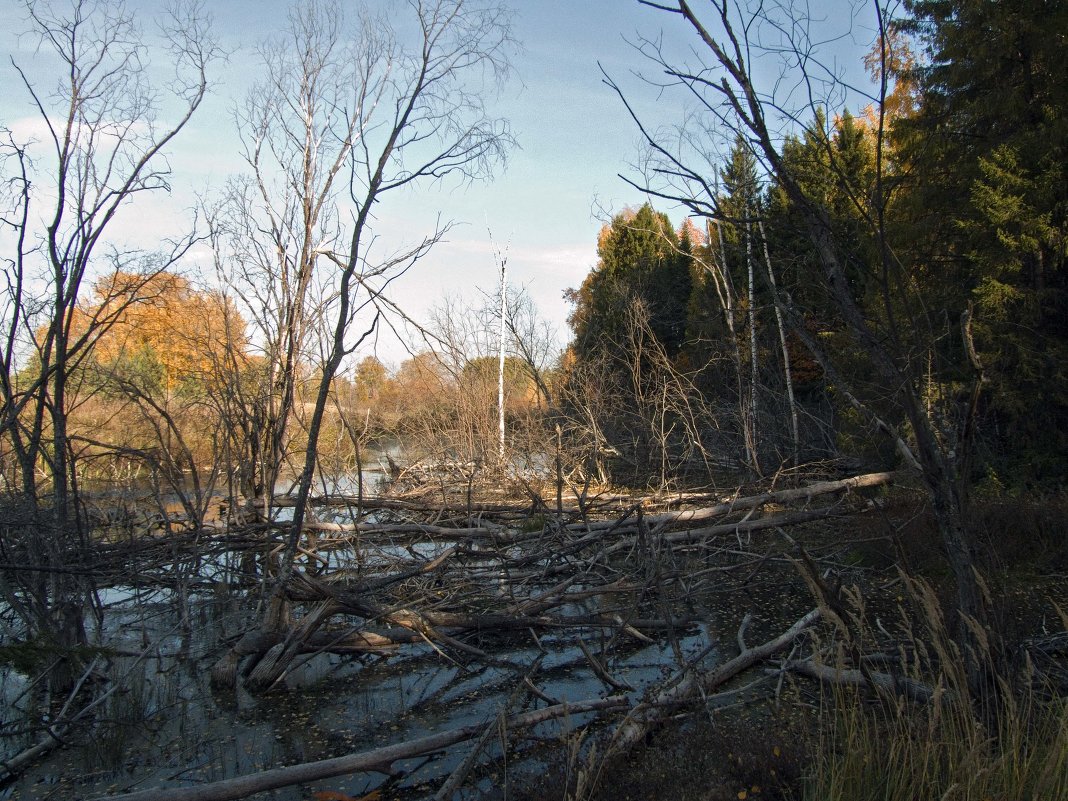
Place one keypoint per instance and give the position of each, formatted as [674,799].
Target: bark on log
[10,768]
[441,532]
[377,760]
[429,620]
[273,665]
[399,504]
[695,535]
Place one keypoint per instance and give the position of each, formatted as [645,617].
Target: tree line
[944,216]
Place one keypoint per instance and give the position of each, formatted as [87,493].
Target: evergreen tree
[989,205]
[640,258]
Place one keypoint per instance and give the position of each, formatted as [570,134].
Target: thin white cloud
[25,130]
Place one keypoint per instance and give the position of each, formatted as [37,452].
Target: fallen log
[695,535]
[423,529]
[779,497]
[398,504]
[651,712]
[913,690]
[378,760]
[426,621]
[359,641]
[273,664]
[14,765]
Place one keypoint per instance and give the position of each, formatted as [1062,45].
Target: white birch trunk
[727,301]
[752,428]
[500,364]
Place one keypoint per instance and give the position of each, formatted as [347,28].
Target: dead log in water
[378,760]
[441,602]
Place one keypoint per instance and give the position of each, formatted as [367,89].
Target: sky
[543,209]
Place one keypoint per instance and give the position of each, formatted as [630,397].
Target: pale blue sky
[546,206]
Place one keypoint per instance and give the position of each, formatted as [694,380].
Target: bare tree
[795,433]
[298,128]
[347,113]
[104,141]
[732,98]
[352,111]
[467,335]
[503,259]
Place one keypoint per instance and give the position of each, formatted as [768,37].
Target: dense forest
[806,298]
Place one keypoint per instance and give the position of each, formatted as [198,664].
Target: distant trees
[150,391]
[450,400]
[167,329]
[625,395]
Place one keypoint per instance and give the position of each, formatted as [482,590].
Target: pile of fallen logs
[382,575]
[639,719]
[494,580]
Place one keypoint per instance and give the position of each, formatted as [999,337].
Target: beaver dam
[430,649]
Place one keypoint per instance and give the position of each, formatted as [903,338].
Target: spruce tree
[988,199]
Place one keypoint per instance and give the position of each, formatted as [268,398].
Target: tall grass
[1009,746]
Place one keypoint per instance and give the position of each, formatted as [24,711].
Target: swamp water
[166,727]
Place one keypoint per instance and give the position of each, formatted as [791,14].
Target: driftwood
[683,689]
[494,584]
[273,665]
[12,767]
[398,504]
[498,724]
[579,552]
[378,760]
[424,529]
[694,535]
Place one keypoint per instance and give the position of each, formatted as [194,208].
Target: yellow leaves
[776,752]
[180,327]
